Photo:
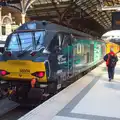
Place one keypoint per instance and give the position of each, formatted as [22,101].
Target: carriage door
[67,51]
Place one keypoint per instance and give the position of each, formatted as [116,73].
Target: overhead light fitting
[104,8]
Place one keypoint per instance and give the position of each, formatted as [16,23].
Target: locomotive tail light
[9,53]
[33,82]
[3,73]
[33,53]
[39,74]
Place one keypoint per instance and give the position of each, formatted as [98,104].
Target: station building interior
[98,18]
[90,16]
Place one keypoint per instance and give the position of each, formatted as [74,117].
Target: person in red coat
[111,60]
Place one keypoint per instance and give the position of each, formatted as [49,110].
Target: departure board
[116,20]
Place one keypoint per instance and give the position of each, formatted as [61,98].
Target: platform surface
[92,97]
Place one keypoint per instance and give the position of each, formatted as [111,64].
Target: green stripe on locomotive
[97,51]
[83,47]
[82,52]
[67,50]
[79,50]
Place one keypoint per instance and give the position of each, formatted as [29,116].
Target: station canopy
[112,35]
[84,15]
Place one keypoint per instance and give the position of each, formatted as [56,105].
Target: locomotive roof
[46,25]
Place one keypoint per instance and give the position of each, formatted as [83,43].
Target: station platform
[92,97]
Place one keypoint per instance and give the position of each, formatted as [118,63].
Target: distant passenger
[111,60]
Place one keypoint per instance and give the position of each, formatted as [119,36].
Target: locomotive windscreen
[26,41]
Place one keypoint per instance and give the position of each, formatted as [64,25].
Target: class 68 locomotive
[43,55]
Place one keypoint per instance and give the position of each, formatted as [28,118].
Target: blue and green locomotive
[41,54]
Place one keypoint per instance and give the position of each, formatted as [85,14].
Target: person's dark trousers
[111,72]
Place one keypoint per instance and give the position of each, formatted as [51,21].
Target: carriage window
[13,45]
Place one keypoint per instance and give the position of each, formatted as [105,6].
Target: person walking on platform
[111,60]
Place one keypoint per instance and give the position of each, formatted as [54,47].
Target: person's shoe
[109,79]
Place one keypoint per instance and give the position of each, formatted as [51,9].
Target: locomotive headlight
[33,53]
[8,53]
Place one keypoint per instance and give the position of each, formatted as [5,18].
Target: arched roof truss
[78,13]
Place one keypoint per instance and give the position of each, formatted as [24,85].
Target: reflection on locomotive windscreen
[26,41]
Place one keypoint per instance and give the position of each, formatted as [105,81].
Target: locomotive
[42,55]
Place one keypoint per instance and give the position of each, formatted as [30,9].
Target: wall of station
[7,25]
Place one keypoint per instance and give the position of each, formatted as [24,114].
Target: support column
[0,20]
[23,17]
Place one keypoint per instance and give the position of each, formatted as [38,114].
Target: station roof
[79,14]
[67,9]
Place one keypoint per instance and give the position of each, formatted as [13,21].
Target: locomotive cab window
[66,40]
[26,41]
[60,37]
[39,39]
[54,43]
[13,44]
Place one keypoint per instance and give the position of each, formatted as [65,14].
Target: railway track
[15,114]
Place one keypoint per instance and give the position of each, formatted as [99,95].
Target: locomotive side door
[61,55]
[65,57]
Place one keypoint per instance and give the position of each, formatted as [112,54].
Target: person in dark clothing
[111,60]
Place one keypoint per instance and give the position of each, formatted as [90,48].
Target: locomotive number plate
[24,70]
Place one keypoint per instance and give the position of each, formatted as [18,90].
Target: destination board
[116,20]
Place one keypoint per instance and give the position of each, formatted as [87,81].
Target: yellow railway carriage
[114,46]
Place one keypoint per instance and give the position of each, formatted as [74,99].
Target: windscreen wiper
[38,41]
[22,53]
